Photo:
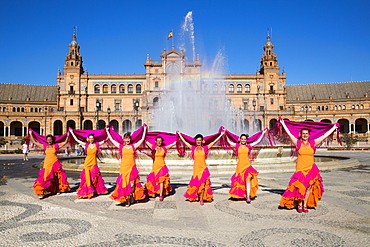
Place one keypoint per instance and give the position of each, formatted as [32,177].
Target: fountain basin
[219,162]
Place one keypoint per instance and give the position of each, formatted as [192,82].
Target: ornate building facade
[89,101]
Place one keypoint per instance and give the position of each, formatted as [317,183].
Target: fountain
[195,102]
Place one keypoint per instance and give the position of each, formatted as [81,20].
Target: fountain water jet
[195,100]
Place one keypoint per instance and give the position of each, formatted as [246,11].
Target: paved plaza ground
[341,219]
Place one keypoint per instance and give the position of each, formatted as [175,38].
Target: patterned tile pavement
[341,219]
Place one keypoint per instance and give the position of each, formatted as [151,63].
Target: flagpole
[172,40]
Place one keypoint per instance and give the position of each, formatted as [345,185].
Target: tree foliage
[2,141]
[349,140]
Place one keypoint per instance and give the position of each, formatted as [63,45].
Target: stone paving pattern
[341,219]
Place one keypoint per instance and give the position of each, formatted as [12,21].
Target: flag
[170,35]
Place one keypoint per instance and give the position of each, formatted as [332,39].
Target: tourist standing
[199,188]
[158,181]
[128,187]
[244,182]
[52,178]
[91,181]
[25,151]
[305,188]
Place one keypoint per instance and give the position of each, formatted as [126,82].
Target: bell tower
[73,83]
[271,84]
[269,63]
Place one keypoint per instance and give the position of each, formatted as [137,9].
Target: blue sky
[315,41]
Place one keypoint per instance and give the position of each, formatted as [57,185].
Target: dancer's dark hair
[198,136]
[52,137]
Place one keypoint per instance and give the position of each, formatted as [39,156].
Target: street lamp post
[108,110]
[254,103]
[136,108]
[306,111]
[97,113]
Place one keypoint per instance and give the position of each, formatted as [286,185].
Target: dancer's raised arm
[292,137]
[321,138]
[232,144]
[74,137]
[183,140]
[137,144]
[171,145]
[34,140]
[259,139]
[149,144]
[65,142]
[218,138]
[115,143]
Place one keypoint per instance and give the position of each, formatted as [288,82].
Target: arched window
[247,88]
[36,110]
[113,88]
[155,101]
[121,88]
[322,108]
[344,107]
[339,107]
[318,108]
[31,110]
[326,108]
[18,109]
[14,110]
[239,88]
[96,88]
[215,88]
[353,106]
[302,108]
[231,88]
[105,88]
[138,88]
[361,106]
[130,88]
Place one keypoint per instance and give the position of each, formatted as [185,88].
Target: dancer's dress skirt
[238,183]
[153,182]
[95,185]
[196,186]
[298,186]
[53,182]
[124,188]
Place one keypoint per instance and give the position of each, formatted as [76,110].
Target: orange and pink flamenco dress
[91,179]
[200,181]
[244,172]
[52,178]
[128,181]
[158,175]
[307,174]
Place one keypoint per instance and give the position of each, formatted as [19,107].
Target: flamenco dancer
[305,188]
[199,188]
[128,187]
[244,182]
[158,181]
[91,179]
[52,178]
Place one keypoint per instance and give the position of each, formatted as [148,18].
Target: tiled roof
[323,91]
[35,93]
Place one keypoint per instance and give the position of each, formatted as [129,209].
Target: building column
[5,134]
[22,131]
